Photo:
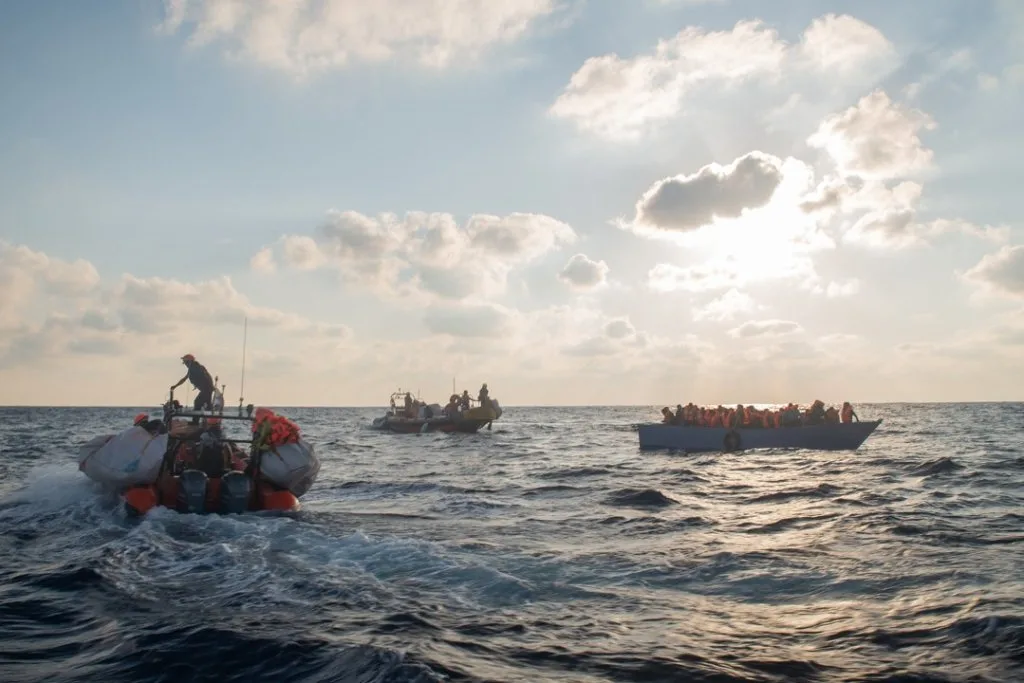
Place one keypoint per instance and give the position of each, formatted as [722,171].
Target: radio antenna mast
[241,388]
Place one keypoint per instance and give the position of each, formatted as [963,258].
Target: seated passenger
[847,413]
[452,409]
[831,416]
[816,413]
[790,416]
[666,416]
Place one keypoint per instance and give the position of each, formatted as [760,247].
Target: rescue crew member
[201,379]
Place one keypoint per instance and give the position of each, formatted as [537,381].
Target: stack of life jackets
[273,430]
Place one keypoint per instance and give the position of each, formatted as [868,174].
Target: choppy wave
[549,549]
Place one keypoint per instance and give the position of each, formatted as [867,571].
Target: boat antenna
[241,388]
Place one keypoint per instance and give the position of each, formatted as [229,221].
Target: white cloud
[302,37]
[884,216]
[1000,273]
[619,99]
[134,313]
[302,252]
[835,290]
[876,138]
[425,256]
[765,328]
[844,46]
[666,277]
[582,273]
[263,261]
[726,307]
[24,273]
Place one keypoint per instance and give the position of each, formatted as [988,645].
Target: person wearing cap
[201,380]
[154,427]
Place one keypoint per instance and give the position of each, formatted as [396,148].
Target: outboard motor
[235,488]
[192,492]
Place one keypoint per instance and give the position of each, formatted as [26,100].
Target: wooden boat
[827,437]
[432,418]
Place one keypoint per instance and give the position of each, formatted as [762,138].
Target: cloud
[303,37]
[875,146]
[741,222]
[1000,273]
[156,305]
[425,256]
[666,277]
[876,138]
[946,67]
[619,99]
[616,336]
[485,320]
[25,273]
[762,328]
[263,261]
[688,202]
[835,290]
[726,307]
[79,316]
[619,329]
[581,273]
[881,215]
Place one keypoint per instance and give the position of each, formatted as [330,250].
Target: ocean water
[548,549]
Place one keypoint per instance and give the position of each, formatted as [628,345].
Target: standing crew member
[201,380]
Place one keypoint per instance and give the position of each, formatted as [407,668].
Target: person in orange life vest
[847,413]
[201,379]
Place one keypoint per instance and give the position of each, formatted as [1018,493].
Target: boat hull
[836,437]
[138,500]
[467,422]
[419,426]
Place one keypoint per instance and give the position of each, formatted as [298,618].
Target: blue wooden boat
[834,437]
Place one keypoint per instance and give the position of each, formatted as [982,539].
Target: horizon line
[539,405]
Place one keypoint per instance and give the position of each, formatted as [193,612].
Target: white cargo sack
[130,458]
[293,466]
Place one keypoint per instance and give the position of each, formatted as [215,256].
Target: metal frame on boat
[194,490]
[827,437]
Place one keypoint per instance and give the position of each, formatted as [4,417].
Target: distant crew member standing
[200,378]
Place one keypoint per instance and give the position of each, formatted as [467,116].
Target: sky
[578,202]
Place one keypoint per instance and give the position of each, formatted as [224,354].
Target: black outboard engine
[192,492]
[235,488]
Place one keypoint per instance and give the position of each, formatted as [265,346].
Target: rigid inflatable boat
[195,468]
[419,417]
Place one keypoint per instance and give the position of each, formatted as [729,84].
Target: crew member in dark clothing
[201,379]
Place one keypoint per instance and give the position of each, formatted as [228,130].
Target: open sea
[548,549]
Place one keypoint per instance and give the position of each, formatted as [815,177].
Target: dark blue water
[550,549]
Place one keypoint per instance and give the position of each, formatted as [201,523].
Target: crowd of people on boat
[749,417]
[457,404]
